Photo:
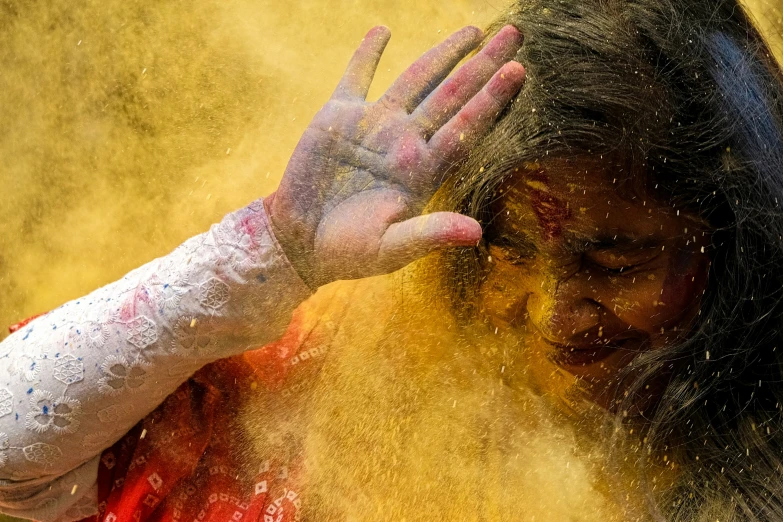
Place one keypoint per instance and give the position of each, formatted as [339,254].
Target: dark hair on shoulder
[688,95]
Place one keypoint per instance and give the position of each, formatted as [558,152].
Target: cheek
[685,282]
[660,298]
[504,293]
[636,299]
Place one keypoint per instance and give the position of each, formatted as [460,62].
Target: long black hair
[689,95]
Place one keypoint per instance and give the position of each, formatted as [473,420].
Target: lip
[584,355]
[587,355]
[592,359]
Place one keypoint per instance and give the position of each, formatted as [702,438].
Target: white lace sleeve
[73,381]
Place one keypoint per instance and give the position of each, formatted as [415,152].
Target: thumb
[407,241]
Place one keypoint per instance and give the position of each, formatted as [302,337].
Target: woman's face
[587,274]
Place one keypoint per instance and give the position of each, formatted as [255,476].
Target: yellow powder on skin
[118,116]
[410,420]
[118,121]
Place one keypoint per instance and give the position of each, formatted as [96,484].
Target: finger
[427,72]
[475,119]
[451,95]
[409,240]
[360,71]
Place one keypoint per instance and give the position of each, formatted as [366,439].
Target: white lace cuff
[73,381]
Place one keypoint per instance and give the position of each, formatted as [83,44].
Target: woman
[624,196]
[687,97]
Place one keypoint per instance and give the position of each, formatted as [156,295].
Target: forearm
[78,378]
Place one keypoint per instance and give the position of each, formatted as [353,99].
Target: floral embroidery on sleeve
[120,375]
[47,412]
[75,379]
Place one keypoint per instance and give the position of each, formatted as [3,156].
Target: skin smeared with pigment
[384,160]
[433,407]
[469,411]
[550,211]
[597,280]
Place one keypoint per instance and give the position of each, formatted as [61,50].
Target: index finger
[358,76]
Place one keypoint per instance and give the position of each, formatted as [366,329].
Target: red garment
[21,324]
[181,462]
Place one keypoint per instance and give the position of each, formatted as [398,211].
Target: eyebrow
[611,242]
[519,241]
[579,244]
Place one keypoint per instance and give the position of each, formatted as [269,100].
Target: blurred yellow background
[130,125]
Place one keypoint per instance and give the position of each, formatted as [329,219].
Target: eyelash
[618,271]
[511,251]
[515,258]
[623,270]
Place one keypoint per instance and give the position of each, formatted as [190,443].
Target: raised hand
[349,204]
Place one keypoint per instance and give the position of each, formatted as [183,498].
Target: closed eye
[516,250]
[613,264]
[521,245]
[622,261]
[620,270]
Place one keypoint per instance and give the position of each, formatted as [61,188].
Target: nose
[564,309]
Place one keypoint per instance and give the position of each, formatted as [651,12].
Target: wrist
[291,243]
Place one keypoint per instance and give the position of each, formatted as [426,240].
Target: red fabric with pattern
[21,324]
[186,468]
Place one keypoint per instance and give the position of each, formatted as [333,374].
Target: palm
[350,201]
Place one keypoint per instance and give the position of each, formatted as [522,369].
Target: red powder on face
[550,211]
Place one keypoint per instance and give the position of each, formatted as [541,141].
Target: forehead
[566,201]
